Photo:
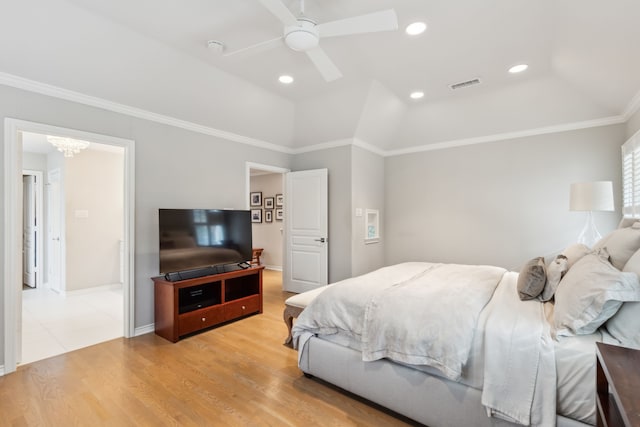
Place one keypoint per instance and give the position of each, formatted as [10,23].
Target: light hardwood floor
[238,374]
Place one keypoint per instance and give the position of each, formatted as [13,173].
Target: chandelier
[67,146]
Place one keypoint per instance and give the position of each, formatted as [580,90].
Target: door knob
[321,240]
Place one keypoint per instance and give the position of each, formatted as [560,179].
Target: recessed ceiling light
[285,79]
[518,68]
[417,94]
[416,28]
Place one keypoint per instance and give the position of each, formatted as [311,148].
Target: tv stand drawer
[242,307]
[200,319]
[186,306]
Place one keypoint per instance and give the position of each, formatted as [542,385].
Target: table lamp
[590,197]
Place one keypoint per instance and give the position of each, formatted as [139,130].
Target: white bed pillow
[625,325]
[590,293]
[621,244]
[575,252]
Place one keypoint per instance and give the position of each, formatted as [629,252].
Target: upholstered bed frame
[428,399]
[431,400]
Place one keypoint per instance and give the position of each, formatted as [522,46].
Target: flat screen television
[192,239]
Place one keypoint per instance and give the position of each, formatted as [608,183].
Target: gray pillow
[532,279]
[555,271]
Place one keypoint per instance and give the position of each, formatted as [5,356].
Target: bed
[456,345]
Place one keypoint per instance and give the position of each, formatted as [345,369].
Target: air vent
[465,84]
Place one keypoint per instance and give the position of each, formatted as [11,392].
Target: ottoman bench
[294,305]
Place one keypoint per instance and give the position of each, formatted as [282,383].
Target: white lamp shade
[592,196]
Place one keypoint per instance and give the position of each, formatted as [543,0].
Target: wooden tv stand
[186,306]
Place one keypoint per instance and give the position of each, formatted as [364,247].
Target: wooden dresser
[617,386]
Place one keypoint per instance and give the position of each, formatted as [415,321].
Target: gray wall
[338,162]
[367,184]
[498,203]
[268,235]
[174,169]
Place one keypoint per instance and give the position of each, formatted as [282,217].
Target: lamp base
[589,235]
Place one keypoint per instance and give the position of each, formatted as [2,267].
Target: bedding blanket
[429,319]
[426,314]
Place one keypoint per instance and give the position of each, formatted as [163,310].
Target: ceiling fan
[303,34]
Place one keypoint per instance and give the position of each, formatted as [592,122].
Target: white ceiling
[582,55]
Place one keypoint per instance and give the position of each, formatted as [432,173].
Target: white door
[29,231]
[54,232]
[306,230]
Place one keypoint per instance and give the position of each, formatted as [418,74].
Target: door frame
[39,217]
[13,219]
[247,181]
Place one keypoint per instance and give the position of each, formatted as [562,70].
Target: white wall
[93,185]
[367,189]
[268,235]
[498,203]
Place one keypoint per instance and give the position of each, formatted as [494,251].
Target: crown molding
[323,146]
[632,107]
[606,121]
[57,92]
[69,95]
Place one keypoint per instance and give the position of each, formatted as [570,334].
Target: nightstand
[617,386]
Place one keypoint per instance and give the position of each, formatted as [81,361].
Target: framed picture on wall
[255,199]
[268,215]
[256,215]
[268,202]
[279,214]
[279,200]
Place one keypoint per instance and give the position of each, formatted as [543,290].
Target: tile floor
[53,324]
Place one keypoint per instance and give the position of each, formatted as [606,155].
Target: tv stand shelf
[187,306]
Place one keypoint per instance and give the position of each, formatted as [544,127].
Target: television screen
[198,238]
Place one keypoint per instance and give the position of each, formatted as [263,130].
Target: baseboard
[142,330]
[273,267]
[1,370]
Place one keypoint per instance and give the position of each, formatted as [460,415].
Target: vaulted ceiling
[583,60]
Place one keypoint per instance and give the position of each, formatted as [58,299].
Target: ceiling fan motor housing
[302,36]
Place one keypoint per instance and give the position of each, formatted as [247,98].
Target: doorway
[15,157]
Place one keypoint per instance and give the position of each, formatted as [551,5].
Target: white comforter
[425,313]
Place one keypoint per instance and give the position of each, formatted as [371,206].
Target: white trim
[323,146]
[12,242]
[69,95]
[1,370]
[273,267]
[143,330]
[12,233]
[509,135]
[633,107]
[247,180]
[57,92]
[366,146]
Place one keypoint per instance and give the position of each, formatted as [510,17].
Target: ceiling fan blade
[280,11]
[324,64]
[255,48]
[384,20]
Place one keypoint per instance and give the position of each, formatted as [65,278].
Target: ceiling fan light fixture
[303,36]
[416,28]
